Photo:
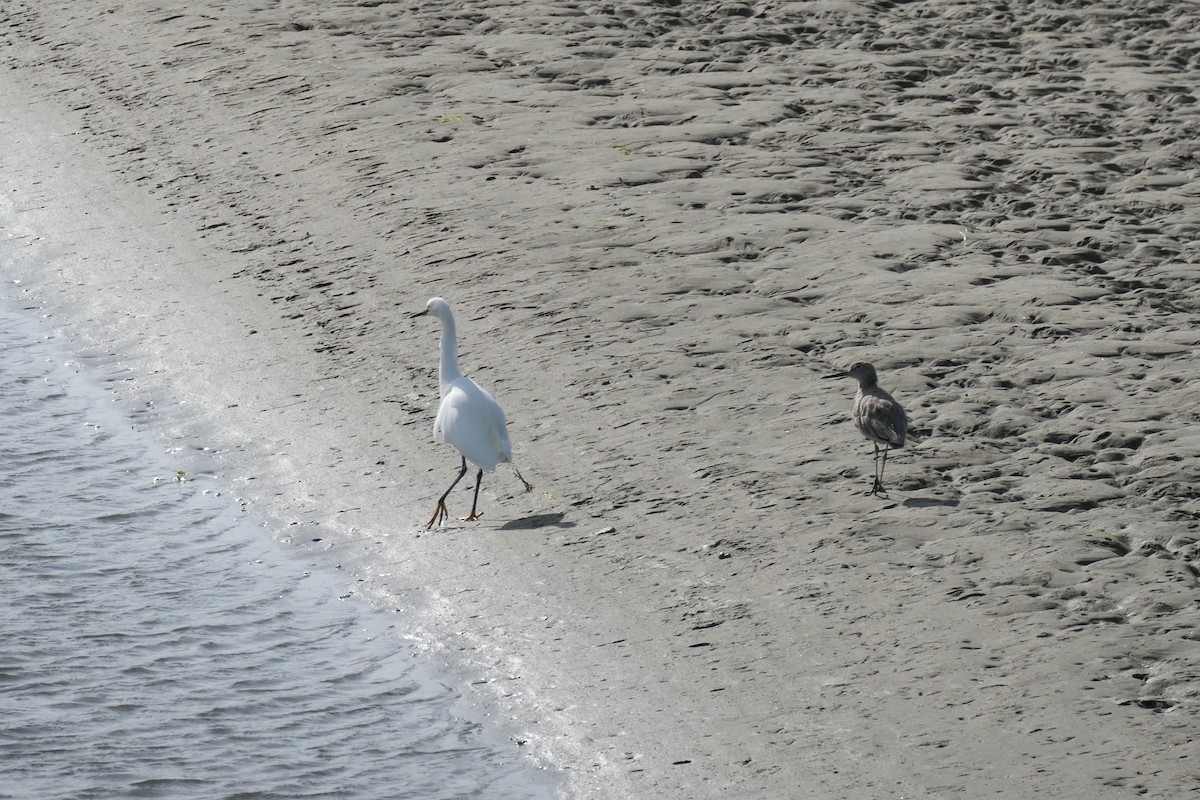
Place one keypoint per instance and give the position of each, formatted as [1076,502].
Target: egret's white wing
[471,420]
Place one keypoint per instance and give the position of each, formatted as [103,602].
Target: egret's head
[436,307]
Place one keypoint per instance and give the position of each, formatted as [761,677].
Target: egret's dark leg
[521,478]
[475,502]
[441,512]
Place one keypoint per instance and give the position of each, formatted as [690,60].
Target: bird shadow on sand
[537,521]
[927,502]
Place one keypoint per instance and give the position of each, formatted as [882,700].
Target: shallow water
[157,643]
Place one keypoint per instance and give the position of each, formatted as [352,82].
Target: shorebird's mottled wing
[880,418]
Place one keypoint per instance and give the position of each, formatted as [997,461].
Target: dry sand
[660,225]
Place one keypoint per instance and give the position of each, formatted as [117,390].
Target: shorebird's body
[877,416]
[468,417]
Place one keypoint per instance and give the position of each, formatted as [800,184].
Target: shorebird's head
[863,372]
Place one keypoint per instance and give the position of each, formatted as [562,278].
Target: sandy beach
[661,227]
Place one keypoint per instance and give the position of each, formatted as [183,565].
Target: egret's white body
[877,416]
[468,418]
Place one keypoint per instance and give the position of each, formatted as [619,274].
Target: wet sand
[661,228]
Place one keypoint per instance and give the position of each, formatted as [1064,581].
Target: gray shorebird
[877,416]
[468,418]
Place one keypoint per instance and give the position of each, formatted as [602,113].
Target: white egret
[877,416]
[468,418]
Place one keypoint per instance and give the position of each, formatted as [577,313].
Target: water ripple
[157,644]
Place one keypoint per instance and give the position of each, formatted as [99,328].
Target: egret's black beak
[419,314]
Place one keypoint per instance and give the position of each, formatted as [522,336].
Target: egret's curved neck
[448,366]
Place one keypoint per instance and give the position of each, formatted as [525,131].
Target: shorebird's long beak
[833,375]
